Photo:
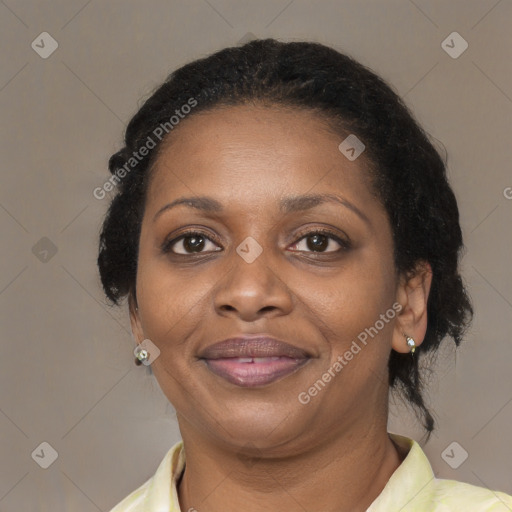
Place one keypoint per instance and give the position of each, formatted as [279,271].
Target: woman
[288,243]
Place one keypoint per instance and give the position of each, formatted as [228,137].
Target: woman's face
[260,268]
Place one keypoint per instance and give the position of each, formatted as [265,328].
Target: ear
[135,318]
[412,294]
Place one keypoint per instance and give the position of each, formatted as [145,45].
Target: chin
[271,428]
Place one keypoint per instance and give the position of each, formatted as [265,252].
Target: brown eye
[190,243]
[320,241]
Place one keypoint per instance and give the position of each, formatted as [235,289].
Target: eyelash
[345,244]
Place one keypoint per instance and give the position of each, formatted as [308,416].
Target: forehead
[254,153]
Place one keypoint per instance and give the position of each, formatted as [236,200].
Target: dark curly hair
[407,173]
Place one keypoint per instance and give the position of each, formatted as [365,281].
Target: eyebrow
[286,205]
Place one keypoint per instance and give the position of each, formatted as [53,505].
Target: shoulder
[454,495]
[135,501]
[155,494]
[415,488]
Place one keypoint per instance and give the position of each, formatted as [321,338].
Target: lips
[250,361]
[252,346]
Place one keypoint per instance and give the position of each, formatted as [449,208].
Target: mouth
[257,371]
[253,361]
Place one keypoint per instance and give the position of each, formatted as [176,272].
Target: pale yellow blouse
[413,487]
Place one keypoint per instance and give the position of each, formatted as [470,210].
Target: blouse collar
[405,485]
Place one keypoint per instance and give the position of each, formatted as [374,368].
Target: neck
[345,473]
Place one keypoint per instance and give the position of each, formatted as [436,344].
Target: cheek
[353,311]
[170,300]
[354,297]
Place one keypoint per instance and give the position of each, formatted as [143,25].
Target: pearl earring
[410,343]
[141,356]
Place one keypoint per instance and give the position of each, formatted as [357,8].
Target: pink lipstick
[250,361]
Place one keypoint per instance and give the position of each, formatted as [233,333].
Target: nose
[252,290]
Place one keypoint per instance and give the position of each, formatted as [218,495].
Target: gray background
[66,368]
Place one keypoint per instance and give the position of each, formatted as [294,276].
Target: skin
[258,449]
